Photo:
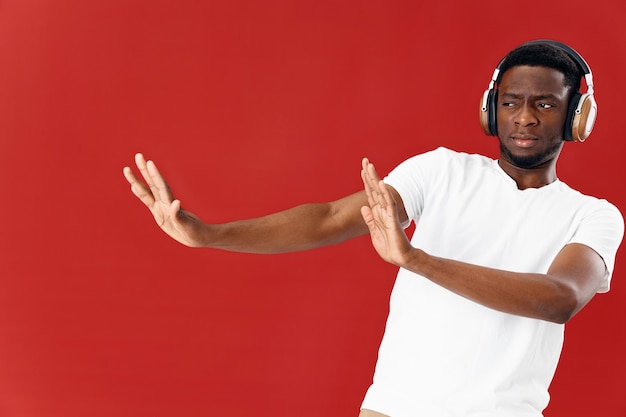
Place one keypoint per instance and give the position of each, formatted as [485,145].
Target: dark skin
[531,111]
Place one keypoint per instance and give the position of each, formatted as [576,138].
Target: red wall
[249,107]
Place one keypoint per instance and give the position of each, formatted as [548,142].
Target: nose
[526,116]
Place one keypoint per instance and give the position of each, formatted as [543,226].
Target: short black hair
[544,55]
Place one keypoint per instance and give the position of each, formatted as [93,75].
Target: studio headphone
[582,110]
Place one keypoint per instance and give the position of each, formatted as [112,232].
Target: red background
[250,107]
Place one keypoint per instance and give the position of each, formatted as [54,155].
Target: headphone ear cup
[488,112]
[583,117]
[571,111]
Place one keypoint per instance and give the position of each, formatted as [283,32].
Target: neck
[536,177]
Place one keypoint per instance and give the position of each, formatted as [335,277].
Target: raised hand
[181,225]
[381,217]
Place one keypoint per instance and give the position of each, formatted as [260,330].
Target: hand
[381,217]
[182,226]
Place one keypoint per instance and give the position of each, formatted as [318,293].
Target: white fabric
[445,356]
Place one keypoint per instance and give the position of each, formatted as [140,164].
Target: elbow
[564,307]
[558,315]
[562,317]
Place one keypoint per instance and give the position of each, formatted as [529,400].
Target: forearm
[300,228]
[539,296]
[572,279]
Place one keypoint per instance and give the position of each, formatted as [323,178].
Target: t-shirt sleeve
[410,179]
[602,229]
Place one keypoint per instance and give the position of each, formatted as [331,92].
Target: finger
[129,175]
[375,183]
[371,182]
[160,189]
[138,188]
[175,210]
[366,187]
[387,198]
[140,161]
[371,193]
[367,169]
[367,183]
[368,217]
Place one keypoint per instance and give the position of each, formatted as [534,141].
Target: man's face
[532,107]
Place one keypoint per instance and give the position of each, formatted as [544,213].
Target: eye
[545,105]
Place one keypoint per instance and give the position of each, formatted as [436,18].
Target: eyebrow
[538,97]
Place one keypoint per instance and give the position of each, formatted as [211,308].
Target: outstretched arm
[572,280]
[303,227]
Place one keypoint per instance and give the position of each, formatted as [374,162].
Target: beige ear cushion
[483,117]
[584,118]
[486,112]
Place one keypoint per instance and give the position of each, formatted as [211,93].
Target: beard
[531,161]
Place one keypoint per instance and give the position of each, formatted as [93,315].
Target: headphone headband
[583,67]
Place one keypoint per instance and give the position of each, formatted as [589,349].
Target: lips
[524,140]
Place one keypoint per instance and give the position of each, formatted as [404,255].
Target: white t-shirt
[445,356]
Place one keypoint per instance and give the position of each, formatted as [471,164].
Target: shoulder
[443,156]
[591,203]
[596,216]
[442,166]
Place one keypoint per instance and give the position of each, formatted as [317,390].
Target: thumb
[175,210]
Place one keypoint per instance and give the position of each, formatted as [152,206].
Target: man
[503,252]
